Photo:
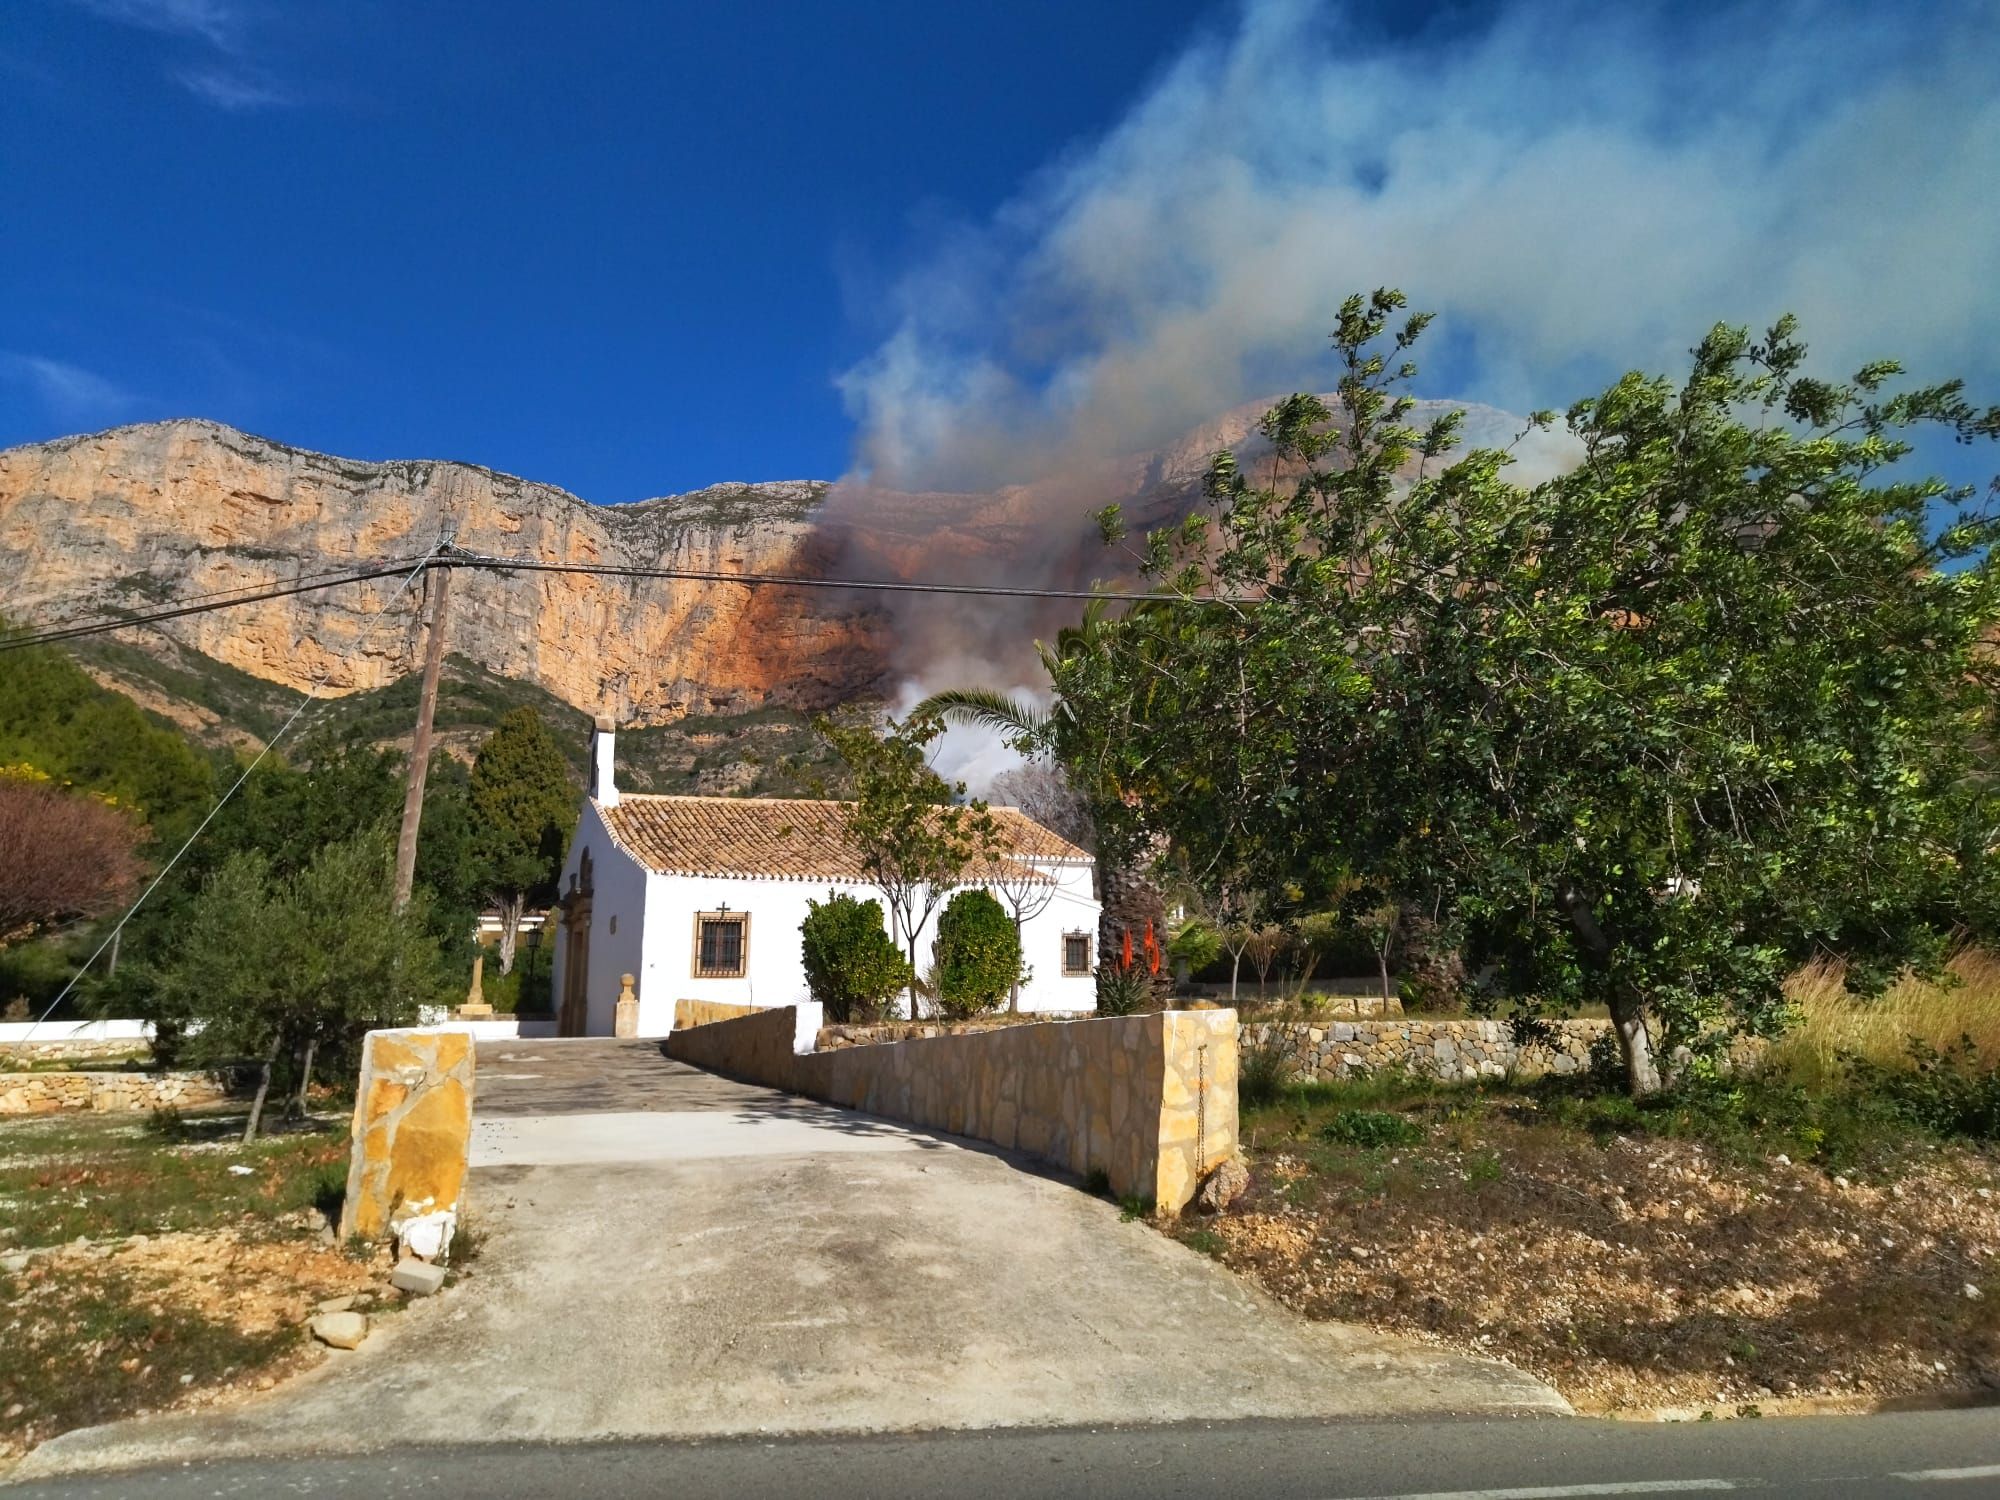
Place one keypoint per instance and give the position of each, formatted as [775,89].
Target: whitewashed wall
[642,923]
[617,923]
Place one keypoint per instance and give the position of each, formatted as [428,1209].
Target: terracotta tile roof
[785,838]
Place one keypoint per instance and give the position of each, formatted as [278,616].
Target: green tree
[523,809]
[852,965]
[915,840]
[978,955]
[1644,734]
[296,967]
[58,722]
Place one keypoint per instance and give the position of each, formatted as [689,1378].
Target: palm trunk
[263,1092]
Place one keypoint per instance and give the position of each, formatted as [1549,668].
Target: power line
[486,562]
[326,671]
[227,595]
[310,584]
[458,558]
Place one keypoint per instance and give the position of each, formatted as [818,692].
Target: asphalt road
[1919,1456]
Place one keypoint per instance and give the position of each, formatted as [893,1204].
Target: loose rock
[418,1278]
[1223,1186]
[343,1330]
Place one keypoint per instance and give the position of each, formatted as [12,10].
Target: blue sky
[625,247]
[631,248]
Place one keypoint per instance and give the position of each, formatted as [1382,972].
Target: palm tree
[1130,900]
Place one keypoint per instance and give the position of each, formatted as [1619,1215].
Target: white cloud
[70,393]
[232,77]
[1576,190]
[215,21]
[233,89]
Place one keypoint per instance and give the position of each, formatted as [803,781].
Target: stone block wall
[867,1034]
[1455,1051]
[1148,1100]
[412,1130]
[108,1092]
[702,1012]
[84,1050]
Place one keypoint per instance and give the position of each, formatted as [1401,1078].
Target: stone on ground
[343,1330]
[1223,1186]
[418,1278]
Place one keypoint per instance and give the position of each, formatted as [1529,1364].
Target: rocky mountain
[124,519]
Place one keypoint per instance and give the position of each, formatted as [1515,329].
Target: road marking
[1984,1471]
[1564,1491]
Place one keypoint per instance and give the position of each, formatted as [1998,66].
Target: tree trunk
[305,1079]
[1020,942]
[1628,1008]
[511,907]
[1635,1044]
[263,1092]
[911,942]
[1235,968]
[1382,962]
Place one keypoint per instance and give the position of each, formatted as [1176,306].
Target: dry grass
[1632,1267]
[1833,1023]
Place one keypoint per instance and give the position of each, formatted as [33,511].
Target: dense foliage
[852,965]
[978,955]
[523,807]
[1646,733]
[56,721]
[297,965]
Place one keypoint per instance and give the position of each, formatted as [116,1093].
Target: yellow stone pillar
[627,1022]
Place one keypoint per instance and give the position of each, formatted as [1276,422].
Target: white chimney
[603,786]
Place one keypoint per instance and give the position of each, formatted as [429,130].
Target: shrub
[1371,1129]
[978,955]
[852,966]
[1948,1092]
[1122,990]
[1261,1075]
[1197,945]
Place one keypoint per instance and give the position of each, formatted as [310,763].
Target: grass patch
[169,1260]
[104,1176]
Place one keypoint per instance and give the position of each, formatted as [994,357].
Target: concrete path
[664,1253]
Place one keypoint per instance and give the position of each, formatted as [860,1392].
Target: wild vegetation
[1649,734]
[145,1265]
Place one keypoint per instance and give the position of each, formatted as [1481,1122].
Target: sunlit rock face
[126,518]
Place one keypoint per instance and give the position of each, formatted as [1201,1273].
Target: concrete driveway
[665,1253]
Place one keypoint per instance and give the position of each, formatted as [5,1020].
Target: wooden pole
[420,743]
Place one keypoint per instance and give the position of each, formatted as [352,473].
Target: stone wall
[1451,1050]
[1328,1007]
[868,1034]
[1150,1101]
[20,1054]
[412,1132]
[108,1092]
[702,1012]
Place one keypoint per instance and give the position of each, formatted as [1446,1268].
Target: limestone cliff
[130,517]
[121,519]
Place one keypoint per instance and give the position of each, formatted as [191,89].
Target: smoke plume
[1576,190]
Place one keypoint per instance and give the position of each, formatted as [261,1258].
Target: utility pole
[420,743]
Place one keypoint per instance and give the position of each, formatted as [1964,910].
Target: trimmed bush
[978,955]
[852,965]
